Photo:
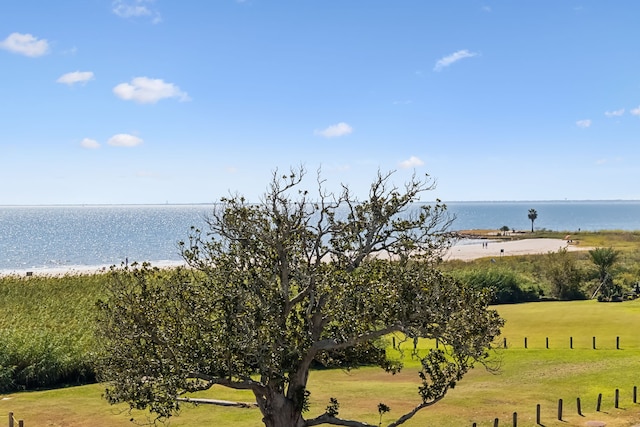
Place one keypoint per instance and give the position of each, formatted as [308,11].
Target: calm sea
[68,237]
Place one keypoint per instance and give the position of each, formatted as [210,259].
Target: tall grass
[46,329]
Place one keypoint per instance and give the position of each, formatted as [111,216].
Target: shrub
[506,285]
[564,275]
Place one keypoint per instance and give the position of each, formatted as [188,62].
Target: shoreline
[77,269]
[464,251]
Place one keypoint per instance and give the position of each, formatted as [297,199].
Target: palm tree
[533,215]
[604,258]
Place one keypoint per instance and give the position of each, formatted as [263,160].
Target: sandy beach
[496,249]
[76,269]
[461,251]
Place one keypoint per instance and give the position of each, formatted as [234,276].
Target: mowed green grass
[526,377]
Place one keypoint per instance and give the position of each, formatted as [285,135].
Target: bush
[506,285]
[562,271]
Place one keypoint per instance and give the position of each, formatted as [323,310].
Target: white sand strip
[496,249]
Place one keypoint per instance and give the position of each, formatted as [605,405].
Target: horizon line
[215,203]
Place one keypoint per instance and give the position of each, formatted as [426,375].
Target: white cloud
[635,111]
[411,162]
[90,143]
[148,91]
[25,44]
[335,131]
[454,57]
[136,8]
[615,113]
[75,77]
[124,140]
[583,123]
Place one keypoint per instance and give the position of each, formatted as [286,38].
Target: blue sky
[155,101]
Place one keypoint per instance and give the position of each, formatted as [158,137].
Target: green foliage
[361,354]
[562,271]
[333,407]
[382,409]
[271,286]
[46,330]
[505,285]
[604,259]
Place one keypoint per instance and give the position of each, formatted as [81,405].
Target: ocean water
[68,237]
[552,215]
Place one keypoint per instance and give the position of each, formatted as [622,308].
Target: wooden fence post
[496,422]
[538,414]
[579,406]
[617,343]
[571,342]
[617,398]
[525,342]
[12,421]
[594,343]
[560,409]
[635,394]
[547,342]
[504,343]
[515,419]
[599,404]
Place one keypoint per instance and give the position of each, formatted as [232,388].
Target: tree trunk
[281,412]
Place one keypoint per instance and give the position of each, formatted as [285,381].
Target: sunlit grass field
[526,378]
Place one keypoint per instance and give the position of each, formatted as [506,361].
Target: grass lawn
[527,377]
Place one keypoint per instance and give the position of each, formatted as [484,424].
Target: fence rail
[561,412]
[13,422]
[558,344]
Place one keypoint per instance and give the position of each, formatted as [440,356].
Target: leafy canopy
[272,286]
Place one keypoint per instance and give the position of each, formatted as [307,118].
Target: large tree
[271,287]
